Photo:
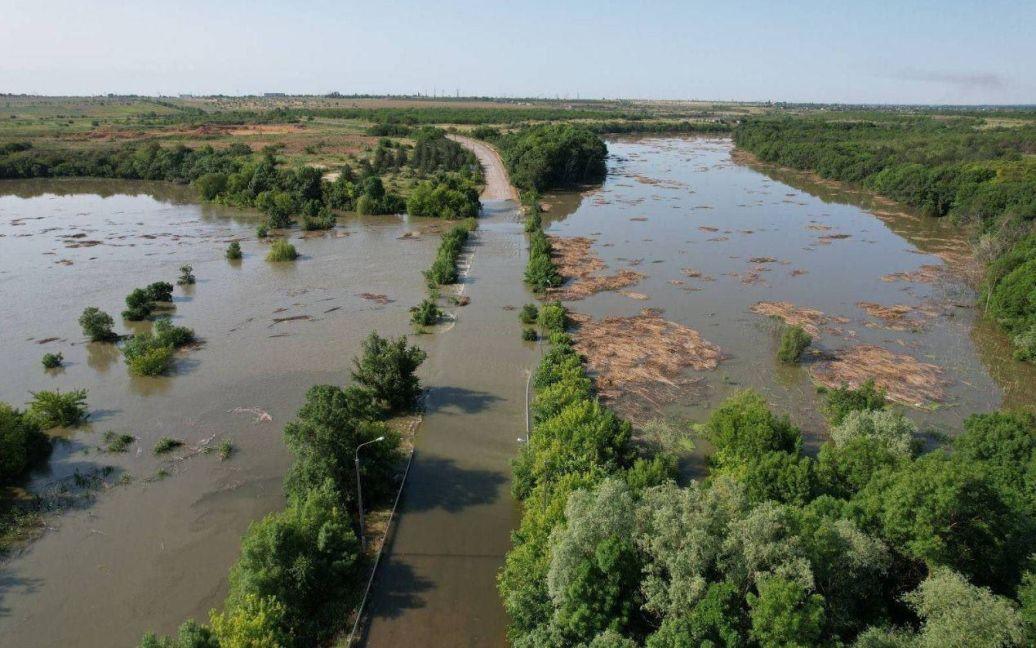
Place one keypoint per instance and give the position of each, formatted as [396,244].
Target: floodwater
[149,550]
[715,237]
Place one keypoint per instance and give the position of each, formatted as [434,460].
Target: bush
[234,251]
[262,231]
[552,155]
[22,443]
[97,325]
[281,250]
[189,635]
[529,334]
[211,185]
[186,277]
[117,442]
[166,334]
[842,400]
[553,317]
[891,429]
[449,197]
[794,341]
[387,369]
[58,409]
[743,427]
[425,314]
[139,305]
[528,314]
[160,291]
[145,358]
[1025,345]
[444,268]
[167,444]
[307,559]
[322,220]
[253,622]
[52,360]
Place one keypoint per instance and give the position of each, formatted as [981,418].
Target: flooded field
[153,544]
[700,252]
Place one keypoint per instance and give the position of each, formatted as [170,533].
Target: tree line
[874,542]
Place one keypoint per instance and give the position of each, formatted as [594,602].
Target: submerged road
[437,583]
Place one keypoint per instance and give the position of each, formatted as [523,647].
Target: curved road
[437,582]
[498,186]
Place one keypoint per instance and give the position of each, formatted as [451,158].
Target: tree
[189,635]
[794,341]
[97,325]
[889,428]
[842,400]
[387,369]
[306,558]
[784,613]
[211,185]
[743,427]
[22,443]
[253,623]
[956,613]
[139,305]
[594,566]
[160,291]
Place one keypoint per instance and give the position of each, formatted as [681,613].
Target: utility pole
[359,490]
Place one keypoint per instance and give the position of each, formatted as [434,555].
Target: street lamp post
[359,490]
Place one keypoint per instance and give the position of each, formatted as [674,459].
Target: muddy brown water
[150,553]
[674,203]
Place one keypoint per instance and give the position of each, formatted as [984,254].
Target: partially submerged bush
[444,268]
[58,409]
[234,251]
[262,231]
[553,318]
[426,313]
[22,443]
[160,291]
[167,444]
[528,314]
[151,353]
[324,219]
[529,334]
[139,305]
[117,442]
[52,360]
[97,325]
[186,276]
[794,341]
[281,250]
[387,369]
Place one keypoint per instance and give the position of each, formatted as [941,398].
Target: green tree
[387,368]
[97,325]
[785,614]
[794,341]
[22,443]
[956,613]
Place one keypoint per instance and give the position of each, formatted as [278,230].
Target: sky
[862,51]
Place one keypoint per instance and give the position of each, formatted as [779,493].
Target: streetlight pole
[359,489]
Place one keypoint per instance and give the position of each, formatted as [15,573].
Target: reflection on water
[715,237]
[150,553]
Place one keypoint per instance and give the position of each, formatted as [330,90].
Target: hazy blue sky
[948,51]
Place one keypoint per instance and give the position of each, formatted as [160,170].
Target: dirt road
[498,186]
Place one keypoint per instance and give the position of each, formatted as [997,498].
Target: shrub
[58,409]
[450,197]
[1025,344]
[22,443]
[160,291]
[186,276]
[189,635]
[117,442]
[225,449]
[253,622]
[139,305]
[842,400]
[52,360]
[794,341]
[97,325]
[234,251]
[425,314]
[323,220]
[553,317]
[166,334]
[281,250]
[262,231]
[743,427]
[528,314]
[306,558]
[387,369]
[444,268]
[147,358]
[529,334]
[211,185]
[167,444]
[892,429]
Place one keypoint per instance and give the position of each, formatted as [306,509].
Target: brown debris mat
[639,362]
[897,317]
[905,379]
[577,263]
[925,274]
[809,319]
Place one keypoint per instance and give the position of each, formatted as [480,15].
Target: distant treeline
[984,177]
[642,126]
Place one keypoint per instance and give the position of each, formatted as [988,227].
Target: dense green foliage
[97,325]
[234,251]
[426,313]
[444,268]
[553,155]
[870,543]
[56,408]
[22,443]
[301,570]
[540,271]
[281,250]
[150,353]
[794,341]
[139,305]
[52,360]
[985,177]
[528,314]
[449,196]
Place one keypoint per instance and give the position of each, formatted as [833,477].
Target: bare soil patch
[905,379]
